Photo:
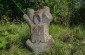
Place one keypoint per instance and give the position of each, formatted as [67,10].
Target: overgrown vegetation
[67,27]
[68,41]
[66,12]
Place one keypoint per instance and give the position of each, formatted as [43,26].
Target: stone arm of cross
[47,15]
[29,16]
[38,17]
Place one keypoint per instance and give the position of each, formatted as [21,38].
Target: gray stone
[83,41]
[39,21]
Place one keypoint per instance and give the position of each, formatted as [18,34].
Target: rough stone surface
[39,21]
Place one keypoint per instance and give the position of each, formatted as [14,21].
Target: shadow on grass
[23,40]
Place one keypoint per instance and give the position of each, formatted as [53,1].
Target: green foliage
[3,42]
[68,41]
[66,12]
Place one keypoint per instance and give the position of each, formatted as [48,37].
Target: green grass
[68,41]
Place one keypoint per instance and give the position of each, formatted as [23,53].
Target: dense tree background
[66,12]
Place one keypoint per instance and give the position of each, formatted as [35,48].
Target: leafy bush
[3,42]
[64,11]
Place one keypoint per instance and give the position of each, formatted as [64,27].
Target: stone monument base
[39,47]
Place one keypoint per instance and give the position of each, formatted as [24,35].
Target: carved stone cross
[39,21]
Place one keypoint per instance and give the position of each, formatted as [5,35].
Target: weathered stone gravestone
[39,21]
